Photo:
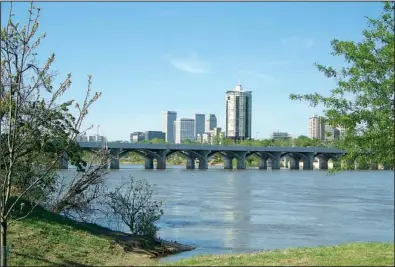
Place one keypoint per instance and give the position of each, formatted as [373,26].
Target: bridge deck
[197,147]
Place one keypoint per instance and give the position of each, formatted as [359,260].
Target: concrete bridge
[202,154]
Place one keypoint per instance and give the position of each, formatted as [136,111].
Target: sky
[146,58]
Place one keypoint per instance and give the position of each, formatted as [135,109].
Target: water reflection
[242,211]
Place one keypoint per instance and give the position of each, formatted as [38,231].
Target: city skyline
[166,65]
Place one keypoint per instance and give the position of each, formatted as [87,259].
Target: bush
[133,204]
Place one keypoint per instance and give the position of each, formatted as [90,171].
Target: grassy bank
[45,238]
[357,254]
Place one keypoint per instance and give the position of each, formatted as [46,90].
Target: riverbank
[45,238]
[357,254]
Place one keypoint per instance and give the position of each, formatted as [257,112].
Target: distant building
[211,122]
[238,113]
[342,132]
[331,133]
[184,129]
[82,138]
[168,119]
[136,137]
[280,135]
[149,135]
[316,127]
[211,137]
[199,124]
[97,138]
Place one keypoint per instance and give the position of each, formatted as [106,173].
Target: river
[236,211]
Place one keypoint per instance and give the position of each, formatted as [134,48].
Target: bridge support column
[323,163]
[149,163]
[294,162]
[64,162]
[263,159]
[241,160]
[275,160]
[203,161]
[228,162]
[161,160]
[308,161]
[191,163]
[114,163]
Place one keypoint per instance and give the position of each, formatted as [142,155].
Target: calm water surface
[231,211]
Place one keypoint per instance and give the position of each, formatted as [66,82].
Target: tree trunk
[3,243]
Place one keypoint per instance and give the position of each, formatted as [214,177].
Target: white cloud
[296,41]
[190,64]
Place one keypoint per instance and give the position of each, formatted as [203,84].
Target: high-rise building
[199,124]
[238,113]
[82,138]
[168,119]
[184,129]
[316,127]
[211,122]
[149,135]
[136,137]
[331,133]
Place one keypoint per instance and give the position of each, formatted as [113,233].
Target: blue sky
[149,57]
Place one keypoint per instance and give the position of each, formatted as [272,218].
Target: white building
[199,124]
[280,135]
[82,138]
[238,113]
[168,119]
[331,133]
[316,127]
[211,137]
[97,138]
[211,122]
[184,129]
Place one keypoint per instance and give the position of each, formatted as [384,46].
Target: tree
[35,129]
[132,203]
[363,102]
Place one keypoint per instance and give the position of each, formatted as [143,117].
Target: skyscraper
[199,124]
[238,113]
[168,118]
[184,129]
[316,127]
[211,122]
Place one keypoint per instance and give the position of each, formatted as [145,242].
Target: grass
[356,254]
[45,238]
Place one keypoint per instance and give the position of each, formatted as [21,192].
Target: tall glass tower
[238,113]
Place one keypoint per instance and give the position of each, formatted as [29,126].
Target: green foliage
[363,101]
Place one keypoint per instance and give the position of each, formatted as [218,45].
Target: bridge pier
[191,163]
[241,160]
[323,163]
[64,162]
[294,162]
[148,163]
[203,160]
[263,161]
[161,160]
[286,163]
[114,163]
[228,162]
[275,160]
[308,161]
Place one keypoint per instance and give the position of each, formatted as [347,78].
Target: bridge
[203,153]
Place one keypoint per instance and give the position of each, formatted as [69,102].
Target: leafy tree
[35,129]
[363,101]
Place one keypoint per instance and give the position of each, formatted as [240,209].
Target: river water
[237,211]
